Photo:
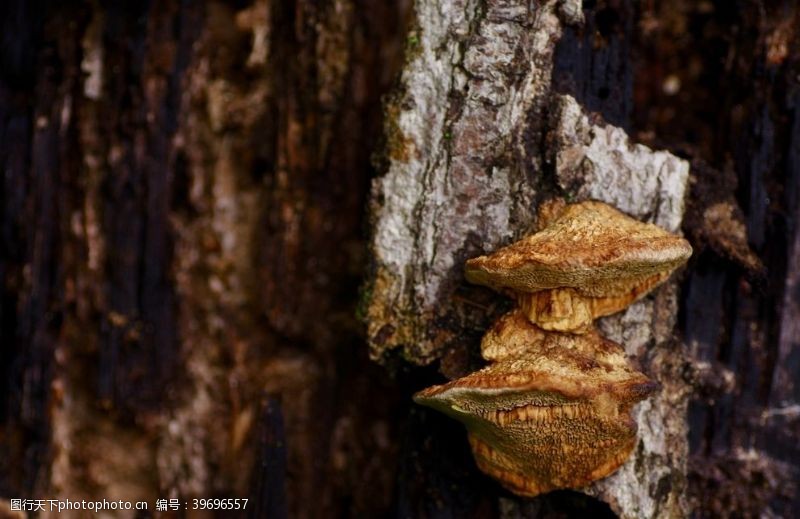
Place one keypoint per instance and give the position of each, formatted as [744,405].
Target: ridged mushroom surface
[556,417]
[591,260]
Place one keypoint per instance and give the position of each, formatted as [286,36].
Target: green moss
[364,299]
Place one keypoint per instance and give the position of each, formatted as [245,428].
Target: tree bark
[479,136]
[182,197]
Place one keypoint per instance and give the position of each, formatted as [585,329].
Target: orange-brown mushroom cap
[591,260]
[556,417]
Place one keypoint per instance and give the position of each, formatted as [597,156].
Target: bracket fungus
[591,260]
[557,416]
[553,408]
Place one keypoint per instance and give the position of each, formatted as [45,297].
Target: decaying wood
[182,195]
[477,138]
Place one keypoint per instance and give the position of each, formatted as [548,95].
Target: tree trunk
[513,118]
[479,136]
[182,198]
[187,261]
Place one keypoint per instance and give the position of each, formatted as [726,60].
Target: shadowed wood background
[185,230]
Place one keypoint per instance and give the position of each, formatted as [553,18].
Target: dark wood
[737,115]
[269,477]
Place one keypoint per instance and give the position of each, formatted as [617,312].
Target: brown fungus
[589,261]
[554,414]
[511,336]
[553,410]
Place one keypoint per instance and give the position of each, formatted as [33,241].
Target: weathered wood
[736,114]
[182,199]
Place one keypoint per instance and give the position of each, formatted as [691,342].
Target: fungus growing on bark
[554,414]
[511,336]
[589,261]
[553,409]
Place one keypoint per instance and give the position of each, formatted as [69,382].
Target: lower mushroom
[556,416]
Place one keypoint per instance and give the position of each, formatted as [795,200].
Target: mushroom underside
[568,451]
[568,309]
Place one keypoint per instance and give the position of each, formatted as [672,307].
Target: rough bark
[735,113]
[183,189]
[478,137]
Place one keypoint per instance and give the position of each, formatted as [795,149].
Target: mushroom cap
[589,246]
[555,414]
[562,366]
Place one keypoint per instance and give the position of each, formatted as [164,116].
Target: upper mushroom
[591,260]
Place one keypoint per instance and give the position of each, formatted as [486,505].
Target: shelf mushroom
[591,260]
[556,416]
